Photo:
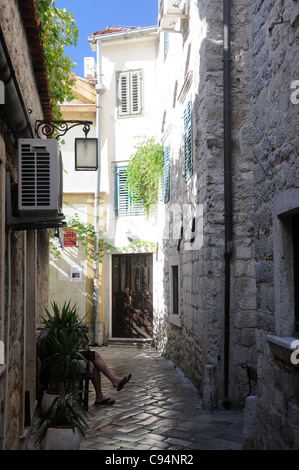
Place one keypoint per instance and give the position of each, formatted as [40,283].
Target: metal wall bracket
[49,128]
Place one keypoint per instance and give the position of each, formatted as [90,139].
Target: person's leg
[97,385]
[101,366]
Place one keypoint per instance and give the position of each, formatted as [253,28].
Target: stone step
[131,342]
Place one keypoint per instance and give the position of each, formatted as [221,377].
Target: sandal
[105,401]
[123,382]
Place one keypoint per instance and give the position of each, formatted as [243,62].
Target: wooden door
[132,296]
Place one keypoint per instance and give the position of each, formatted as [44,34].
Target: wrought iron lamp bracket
[59,128]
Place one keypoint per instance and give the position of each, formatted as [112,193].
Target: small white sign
[76,274]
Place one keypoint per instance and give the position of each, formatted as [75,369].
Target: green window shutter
[123,195]
[115,191]
[123,202]
[166,175]
[166,44]
[188,140]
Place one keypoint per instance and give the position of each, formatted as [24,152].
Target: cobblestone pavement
[159,409]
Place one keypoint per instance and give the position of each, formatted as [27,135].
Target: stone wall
[23,260]
[275,119]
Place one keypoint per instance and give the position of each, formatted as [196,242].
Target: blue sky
[96,15]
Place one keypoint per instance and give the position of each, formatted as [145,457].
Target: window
[285,217]
[188,140]
[129,93]
[295,234]
[123,202]
[166,175]
[175,289]
[69,238]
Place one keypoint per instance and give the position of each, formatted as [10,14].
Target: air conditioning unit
[90,68]
[40,186]
[170,12]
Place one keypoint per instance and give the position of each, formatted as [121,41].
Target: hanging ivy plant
[86,234]
[144,173]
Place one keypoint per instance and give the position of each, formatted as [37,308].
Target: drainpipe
[227,189]
[99,91]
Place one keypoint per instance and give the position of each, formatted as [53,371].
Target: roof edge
[118,33]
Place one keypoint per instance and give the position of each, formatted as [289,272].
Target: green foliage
[86,234]
[58,30]
[85,231]
[137,244]
[61,354]
[144,173]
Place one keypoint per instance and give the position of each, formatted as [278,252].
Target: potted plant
[64,340]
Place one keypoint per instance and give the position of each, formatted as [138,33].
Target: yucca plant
[62,352]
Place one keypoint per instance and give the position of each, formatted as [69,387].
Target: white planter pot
[47,401]
[61,438]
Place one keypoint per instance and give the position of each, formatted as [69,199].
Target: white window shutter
[136,82]
[123,93]
[129,92]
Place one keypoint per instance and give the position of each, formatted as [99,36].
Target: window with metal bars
[69,238]
[129,92]
[188,140]
[124,203]
[175,290]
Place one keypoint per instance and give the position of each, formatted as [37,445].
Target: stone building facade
[194,334]
[23,253]
[273,413]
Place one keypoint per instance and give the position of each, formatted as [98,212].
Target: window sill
[175,320]
[282,348]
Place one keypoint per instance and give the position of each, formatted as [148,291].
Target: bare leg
[101,366]
[97,385]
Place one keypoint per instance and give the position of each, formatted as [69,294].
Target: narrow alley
[159,409]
